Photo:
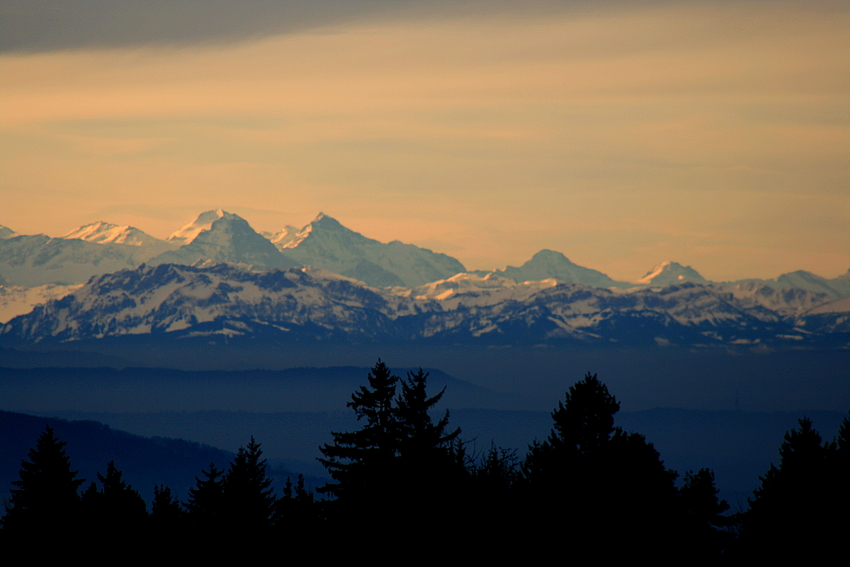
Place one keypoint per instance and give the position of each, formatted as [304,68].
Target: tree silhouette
[249,500]
[46,498]
[702,513]
[167,516]
[357,459]
[116,510]
[604,482]
[400,470]
[205,506]
[795,513]
[429,472]
[297,514]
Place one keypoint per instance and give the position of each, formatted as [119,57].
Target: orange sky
[712,134]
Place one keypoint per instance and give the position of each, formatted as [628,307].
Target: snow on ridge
[653,273]
[101,232]
[202,223]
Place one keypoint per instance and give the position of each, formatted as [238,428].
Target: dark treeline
[405,486]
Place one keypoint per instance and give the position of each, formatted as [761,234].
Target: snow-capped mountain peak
[203,222]
[548,264]
[669,273]
[103,233]
[228,238]
[328,243]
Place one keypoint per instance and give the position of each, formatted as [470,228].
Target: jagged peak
[327,222]
[202,222]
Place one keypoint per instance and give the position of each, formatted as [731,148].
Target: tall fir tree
[205,507]
[605,482]
[45,499]
[117,509]
[400,470]
[704,525]
[249,500]
[797,512]
[356,459]
[167,515]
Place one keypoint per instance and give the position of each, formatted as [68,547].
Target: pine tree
[167,516]
[206,502]
[249,500]
[355,459]
[46,497]
[117,508]
[609,483]
[583,425]
[795,513]
[400,470]
[297,513]
[420,438]
[702,514]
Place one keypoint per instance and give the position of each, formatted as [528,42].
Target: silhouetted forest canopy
[407,479]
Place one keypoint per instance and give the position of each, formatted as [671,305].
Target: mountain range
[101,247]
[217,275]
[219,299]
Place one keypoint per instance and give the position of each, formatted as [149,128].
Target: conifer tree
[795,512]
[45,497]
[249,500]
[355,459]
[117,508]
[400,470]
[297,512]
[167,516]
[419,437]
[206,502]
[702,516]
[609,483]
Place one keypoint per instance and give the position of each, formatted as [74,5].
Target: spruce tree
[45,498]
[356,459]
[167,516]
[797,511]
[705,527]
[117,508]
[401,470]
[249,500]
[206,504]
[608,483]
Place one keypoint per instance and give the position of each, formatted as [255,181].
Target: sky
[711,133]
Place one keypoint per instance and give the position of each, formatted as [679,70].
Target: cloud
[576,132]
[51,25]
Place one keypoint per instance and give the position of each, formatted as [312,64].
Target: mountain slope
[550,264]
[310,304]
[39,259]
[104,232]
[327,244]
[229,238]
[91,445]
[669,273]
[189,232]
[836,287]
